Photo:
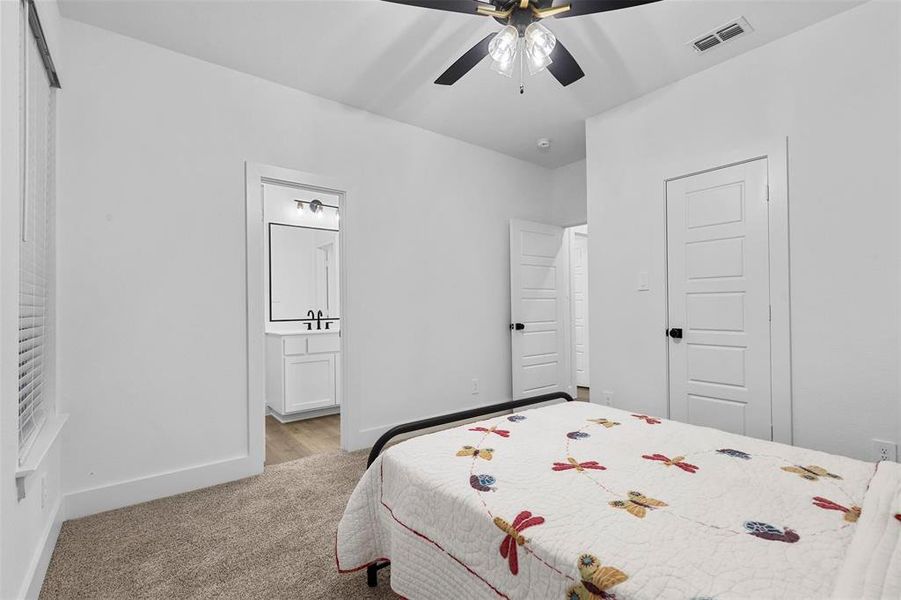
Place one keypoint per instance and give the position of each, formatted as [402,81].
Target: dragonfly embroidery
[851,514]
[514,536]
[648,420]
[676,461]
[572,463]
[492,429]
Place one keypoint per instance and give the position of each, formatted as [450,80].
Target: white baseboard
[301,416]
[117,495]
[34,580]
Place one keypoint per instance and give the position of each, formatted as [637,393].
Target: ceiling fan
[523,35]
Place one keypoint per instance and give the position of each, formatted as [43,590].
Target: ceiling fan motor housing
[519,18]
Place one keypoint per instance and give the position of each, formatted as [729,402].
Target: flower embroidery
[578,435]
[492,429]
[483,453]
[605,422]
[648,420]
[514,536]
[898,517]
[638,504]
[765,531]
[810,472]
[482,482]
[851,514]
[677,461]
[735,453]
[516,418]
[596,580]
[572,463]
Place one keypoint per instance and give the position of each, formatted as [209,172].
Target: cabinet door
[310,382]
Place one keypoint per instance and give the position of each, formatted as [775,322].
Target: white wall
[28,528]
[833,90]
[569,193]
[152,280]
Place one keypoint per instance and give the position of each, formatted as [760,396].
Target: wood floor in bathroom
[290,441]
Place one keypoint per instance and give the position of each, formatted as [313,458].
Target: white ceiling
[383,57]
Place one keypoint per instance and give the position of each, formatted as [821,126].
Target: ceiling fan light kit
[523,35]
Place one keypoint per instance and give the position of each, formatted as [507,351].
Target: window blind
[35,242]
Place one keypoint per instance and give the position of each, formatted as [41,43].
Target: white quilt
[581,501]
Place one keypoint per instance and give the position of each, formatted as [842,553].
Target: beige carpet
[270,536]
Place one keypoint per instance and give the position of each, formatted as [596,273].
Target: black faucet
[319,320]
[312,316]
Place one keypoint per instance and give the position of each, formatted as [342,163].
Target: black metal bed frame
[373,569]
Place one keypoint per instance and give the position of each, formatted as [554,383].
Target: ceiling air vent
[721,34]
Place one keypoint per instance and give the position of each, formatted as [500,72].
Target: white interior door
[537,304]
[718,276]
[579,284]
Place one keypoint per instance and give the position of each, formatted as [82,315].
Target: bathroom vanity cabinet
[303,374]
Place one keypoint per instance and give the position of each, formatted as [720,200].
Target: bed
[586,502]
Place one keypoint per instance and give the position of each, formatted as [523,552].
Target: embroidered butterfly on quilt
[483,453]
[638,504]
[596,579]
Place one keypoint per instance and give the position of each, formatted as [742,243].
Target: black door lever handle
[675,333]
[517,326]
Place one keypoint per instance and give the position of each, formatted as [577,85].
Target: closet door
[718,274]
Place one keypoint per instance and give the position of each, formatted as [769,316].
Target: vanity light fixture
[315,206]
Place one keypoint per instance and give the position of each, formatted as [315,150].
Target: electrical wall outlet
[884,450]
[475,387]
[607,398]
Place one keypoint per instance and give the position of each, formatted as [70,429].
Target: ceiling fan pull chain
[522,60]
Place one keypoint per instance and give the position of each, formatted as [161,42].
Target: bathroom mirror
[303,272]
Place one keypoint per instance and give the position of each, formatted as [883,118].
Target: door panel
[579,257]
[537,301]
[718,277]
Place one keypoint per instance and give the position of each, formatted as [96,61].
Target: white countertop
[300,329]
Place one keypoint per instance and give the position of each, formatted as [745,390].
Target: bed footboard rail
[463,415]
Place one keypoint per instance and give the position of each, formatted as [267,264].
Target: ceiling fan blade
[587,7]
[563,66]
[465,63]
[470,7]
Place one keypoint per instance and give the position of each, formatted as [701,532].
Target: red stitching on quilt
[437,545]
[425,537]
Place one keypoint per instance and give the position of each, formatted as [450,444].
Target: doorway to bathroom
[296,229]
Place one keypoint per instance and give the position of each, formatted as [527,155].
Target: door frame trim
[776,153]
[255,175]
